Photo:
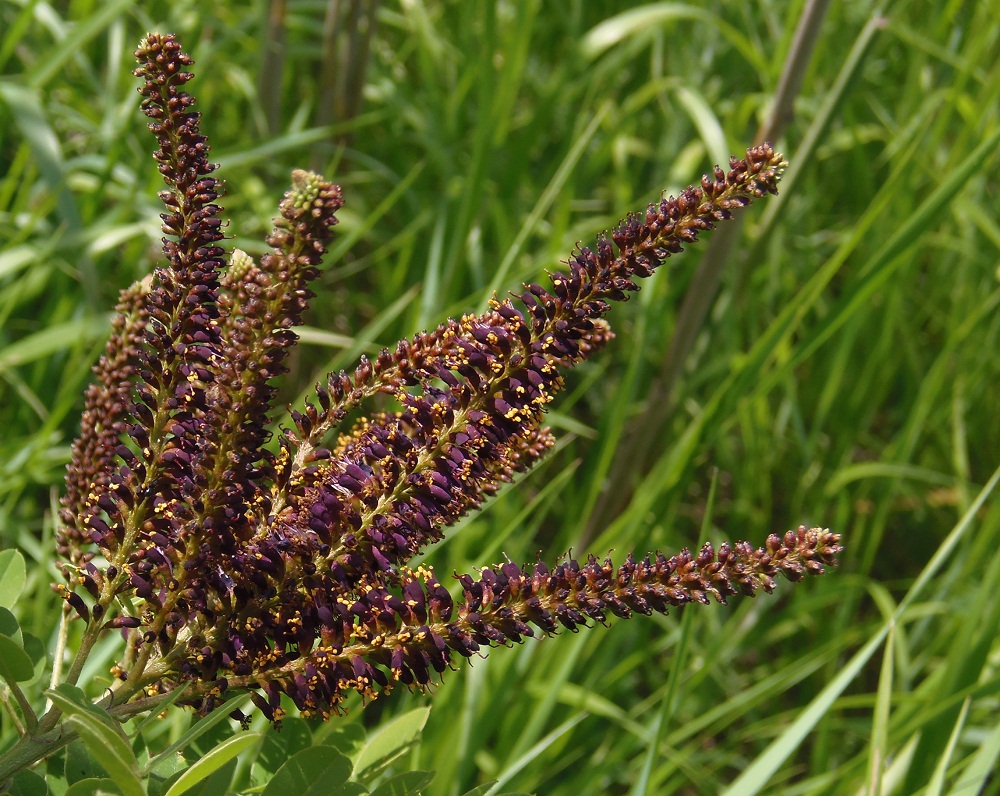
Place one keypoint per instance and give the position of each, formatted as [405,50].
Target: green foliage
[12,577]
[389,742]
[847,373]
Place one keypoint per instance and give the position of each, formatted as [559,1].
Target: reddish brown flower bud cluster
[287,573]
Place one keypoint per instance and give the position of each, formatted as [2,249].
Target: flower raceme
[228,564]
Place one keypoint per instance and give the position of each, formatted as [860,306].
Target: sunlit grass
[846,375]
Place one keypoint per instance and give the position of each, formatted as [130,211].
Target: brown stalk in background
[641,439]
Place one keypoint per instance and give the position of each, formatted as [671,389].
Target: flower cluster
[228,564]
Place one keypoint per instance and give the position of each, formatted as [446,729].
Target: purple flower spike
[284,570]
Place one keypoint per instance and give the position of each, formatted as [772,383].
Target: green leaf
[16,258]
[481,790]
[311,772]
[348,739]
[646,20]
[76,36]
[27,783]
[35,648]
[167,770]
[9,626]
[215,783]
[71,700]
[80,764]
[278,747]
[93,787]
[638,21]
[213,761]
[13,575]
[878,747]
[68,698]
[15,665]
[175,695]
[982,767]
[512,768]
[110,749]
[755,777]
[935,786]
[48,341]
[390,741]
[409,783]
[196,730]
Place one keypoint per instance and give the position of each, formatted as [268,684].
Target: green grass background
[846,375]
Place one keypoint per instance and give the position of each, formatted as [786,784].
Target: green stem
[29,750]
[48,722]
[86,645]
[30,719]
[14,717]
[50,735]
